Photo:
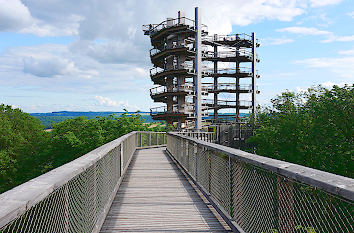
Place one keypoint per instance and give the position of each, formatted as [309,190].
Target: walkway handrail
[76,196]
[259,194]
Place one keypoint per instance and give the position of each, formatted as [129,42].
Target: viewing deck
[156,197]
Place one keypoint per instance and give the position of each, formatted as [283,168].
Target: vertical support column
[198,72]
[181,99]
[237,80]
[254,60]
[169,79]
[215,79]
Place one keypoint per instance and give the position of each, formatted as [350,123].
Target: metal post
[215,79]
[237,81]
[254,60]
[198,72]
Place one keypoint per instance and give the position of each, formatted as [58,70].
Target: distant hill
[50,118]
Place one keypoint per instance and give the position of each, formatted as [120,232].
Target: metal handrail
[155,51]
[205,136]
[188,87]
[77,196]
[259,194]
[227,54]
[188,108]
[229,86]
[157,70]
[231,37]
[245,70]
[154,28]
[231,103]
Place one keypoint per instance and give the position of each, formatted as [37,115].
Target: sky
[91,55]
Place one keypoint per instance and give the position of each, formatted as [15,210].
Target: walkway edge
[102,218]
[225,216]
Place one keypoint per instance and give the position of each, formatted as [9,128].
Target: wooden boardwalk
[156,197]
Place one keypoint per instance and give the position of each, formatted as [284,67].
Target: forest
[313,128]
[27,150]
[48,119]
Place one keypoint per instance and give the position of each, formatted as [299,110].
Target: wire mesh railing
[76,196]
[205,136]
[261,195]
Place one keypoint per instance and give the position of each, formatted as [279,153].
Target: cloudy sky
[91,55]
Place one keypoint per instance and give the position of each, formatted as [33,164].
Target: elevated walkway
[135,184]
[156,197]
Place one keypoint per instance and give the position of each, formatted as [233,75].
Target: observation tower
[197,76]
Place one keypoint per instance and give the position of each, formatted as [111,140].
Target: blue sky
[91,55]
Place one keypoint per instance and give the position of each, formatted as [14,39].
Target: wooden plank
[156,197]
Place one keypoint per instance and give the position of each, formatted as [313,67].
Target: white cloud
[69,71]
[331,37]
[341,66]
[47,67]
[109,55]
[304,31]
[335,38]
[114,52]
[320,3]
[276,41]
[14,15]
[330,84]
[351,14]
[41,28]
[107,102]
[113,19]
[347,52]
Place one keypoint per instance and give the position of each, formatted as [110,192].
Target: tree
[313,128]
[21,143]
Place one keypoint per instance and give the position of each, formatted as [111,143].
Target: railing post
[187,155]
[141,139]
[157,139]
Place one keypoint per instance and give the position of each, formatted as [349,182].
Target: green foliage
[21,145]
[313,128]
[27,151]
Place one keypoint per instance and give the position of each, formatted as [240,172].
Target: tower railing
[228,86]
[246,70]
[75,197]
[232,37]
[187,87]
[227,54]
[258,194]
[154,28]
